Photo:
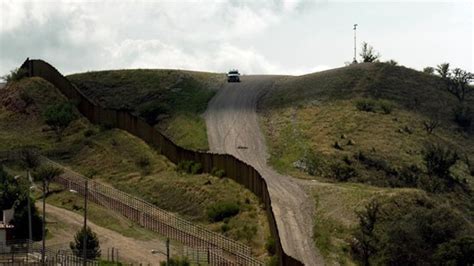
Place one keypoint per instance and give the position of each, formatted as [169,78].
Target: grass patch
[171,99]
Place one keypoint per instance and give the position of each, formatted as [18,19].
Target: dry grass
[114,157]
[311,113]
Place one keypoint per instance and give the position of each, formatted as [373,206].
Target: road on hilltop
[233,128]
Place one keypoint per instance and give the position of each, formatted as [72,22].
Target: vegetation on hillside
[173,100]
[117,158]
[374,131]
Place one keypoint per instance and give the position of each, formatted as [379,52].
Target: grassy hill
[126,162]
[361,131]
[173,100]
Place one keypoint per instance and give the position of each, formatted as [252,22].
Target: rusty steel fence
[234,168]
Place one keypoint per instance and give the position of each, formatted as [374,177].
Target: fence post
[168,251]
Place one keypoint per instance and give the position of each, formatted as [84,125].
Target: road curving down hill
[233,128]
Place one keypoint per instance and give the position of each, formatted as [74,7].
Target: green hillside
[362,132]
[126,162]
[173,100]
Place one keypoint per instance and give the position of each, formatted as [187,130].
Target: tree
[14,194]
[15,75]
[392,62]
[368,54]
[47,174]
[367,241]
[456,252]
[438,161]
[58,117]
[92,244]
[459,83]
[443,70]
[429,70]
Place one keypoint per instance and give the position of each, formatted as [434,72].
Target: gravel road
[233,128]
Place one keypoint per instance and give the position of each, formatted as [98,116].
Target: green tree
[443,70]
[456,252]
[429,70]
[459,83]
[366,239]
[92,244]
[14,194]
[58,117]
[47,174]
[15,75]
[438,161]
[368,53]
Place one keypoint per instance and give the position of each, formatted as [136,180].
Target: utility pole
[44,224]
[84,244]
[355,45]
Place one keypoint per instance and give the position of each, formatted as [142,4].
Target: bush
[217,172]
[463,117]
[190,167]
[15,75]
[143,161]
[151,110]
[366,105]
[89,132]
[314,163]
[386,107]
[343,172]
[92,244]
[176,261]
[270,246]
[221,210]
[429,70]
[58,117]
[27,98]
[438,161]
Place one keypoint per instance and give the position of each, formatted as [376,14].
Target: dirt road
[130,250]
[233,127]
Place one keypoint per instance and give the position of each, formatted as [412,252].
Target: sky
[257,37]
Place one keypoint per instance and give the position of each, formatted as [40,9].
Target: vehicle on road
[233,76]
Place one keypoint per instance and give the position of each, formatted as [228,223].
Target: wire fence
[24,252]
[217,248]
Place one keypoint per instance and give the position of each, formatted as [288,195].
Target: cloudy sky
[291,37]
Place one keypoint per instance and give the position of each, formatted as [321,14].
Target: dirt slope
[233,127]
[130,250]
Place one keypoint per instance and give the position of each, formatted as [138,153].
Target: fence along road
[234,168]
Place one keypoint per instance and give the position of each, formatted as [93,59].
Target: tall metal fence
[218,249]
[233,167]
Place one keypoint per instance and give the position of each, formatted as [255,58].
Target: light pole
[84,243]
[355,44]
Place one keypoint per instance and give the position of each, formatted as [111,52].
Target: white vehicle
[233,76]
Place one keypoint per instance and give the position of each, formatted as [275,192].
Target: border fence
[234,168]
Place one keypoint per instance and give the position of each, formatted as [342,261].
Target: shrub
[366,105]
[15,75]
[386,106]
[221,210]
[143,161]
[217,172]
[314,163]
[463,117]
[89,132]
[190,167]
[58,117]
[270,246]
[429,70]
[430,125]
[25,97]
[196,168]
[151,110]
[343,172]
[92,244]
[438,161]
[176,261]
[392,62]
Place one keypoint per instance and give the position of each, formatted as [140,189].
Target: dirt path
[130,250]
[233,127]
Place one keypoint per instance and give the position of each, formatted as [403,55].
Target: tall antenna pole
[355,44]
